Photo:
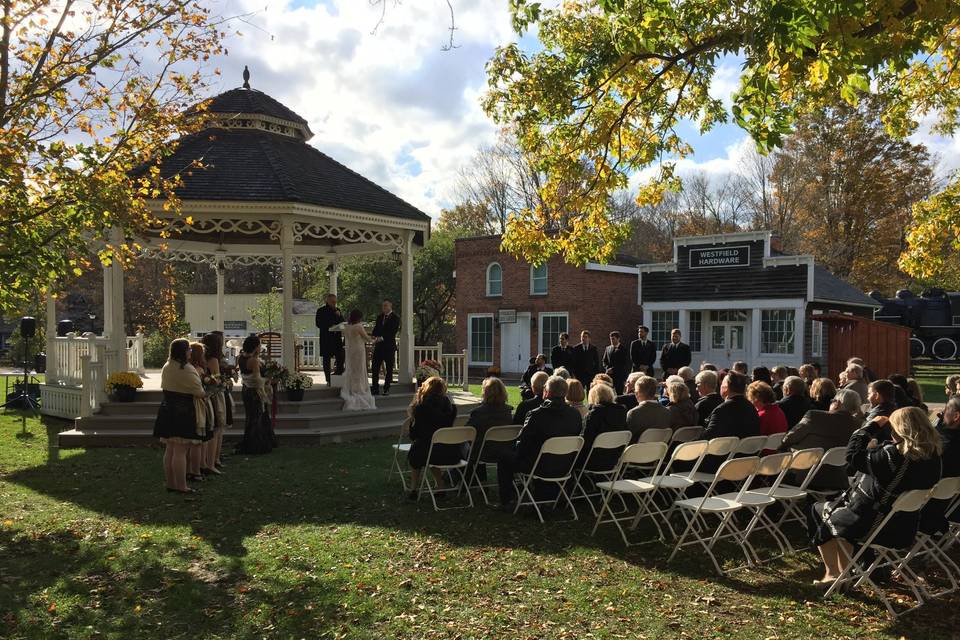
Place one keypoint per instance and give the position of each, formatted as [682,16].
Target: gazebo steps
[317,392]
[307,406]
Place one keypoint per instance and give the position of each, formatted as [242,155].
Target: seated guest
[740,367]
[683,413]
[430,410]
[915,392]
[795,401]
[539,364]
[910,461]
[932,520]
[536,385]
[493,411]
[778,374]
[603,415]
[708,366]
[881,396]
[762,374]
[689,379]
[562,354]
[807,373]
[772,420]
[855,382]
[563,372]
[734,417]
[950,386]
[648,414]
[576,396]
[710,398]
[602,378]
[901,391]
[553,418]
[821,394]
[868,375]
[629,397]
[826,430]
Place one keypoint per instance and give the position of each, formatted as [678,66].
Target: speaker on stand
[21,398]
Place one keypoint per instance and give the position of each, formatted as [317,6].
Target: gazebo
[253,192]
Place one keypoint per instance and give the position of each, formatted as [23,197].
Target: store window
[778,331]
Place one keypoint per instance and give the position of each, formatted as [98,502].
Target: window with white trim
[538,280]
[778,331]
[551,326]
[494,279]
[480,339]
[661,324]
[816,336]
[696,330]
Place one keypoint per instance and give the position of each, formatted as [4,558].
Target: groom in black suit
[385,331]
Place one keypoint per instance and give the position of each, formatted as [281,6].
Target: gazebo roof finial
[246,77]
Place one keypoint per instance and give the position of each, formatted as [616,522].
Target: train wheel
[944,349]
[917,348]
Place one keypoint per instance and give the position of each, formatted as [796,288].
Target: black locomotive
[934,316]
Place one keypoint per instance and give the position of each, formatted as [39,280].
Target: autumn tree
[88,91]
[467,219]
[605,93]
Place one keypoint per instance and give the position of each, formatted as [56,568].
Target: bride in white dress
[355,391]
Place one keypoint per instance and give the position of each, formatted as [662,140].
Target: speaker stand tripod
[23,400]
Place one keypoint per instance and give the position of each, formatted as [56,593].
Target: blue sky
[389,103]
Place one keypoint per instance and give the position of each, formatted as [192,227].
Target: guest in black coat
[586,360]
[539,364]
[603,415]
[796,402]
[778,374]
[385,331]
[674,355]
[562,354]
[910,461]
[331,342]
[553,418]
[735,417]
[629,397]
[822,392]
[616,360]
[430,410]
[881,397]
[710,398]
[643,352]
[932,518]
[493,411]
[537,381]
[826,430]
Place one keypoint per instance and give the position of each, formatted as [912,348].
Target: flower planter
[123,393]
[295,395]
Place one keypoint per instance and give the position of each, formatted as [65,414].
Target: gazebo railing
[65,361]
[135,353]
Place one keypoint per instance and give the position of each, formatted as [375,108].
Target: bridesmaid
[195,462]
[212,352]
[178,425]
[258,434]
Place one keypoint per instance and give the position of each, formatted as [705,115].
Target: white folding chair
[686,434]
[695,510]
[750,446]
[674,485]
[886,557]
[926,547]
[486,455]
[558,446]
[773,468]
[399,464]
[834,457]
[447,436]
[774,440]
[641,455]
[595,467]
[656,435]
[723,446]
[791,497]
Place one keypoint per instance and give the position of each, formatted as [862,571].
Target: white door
[515,344]
[728,342]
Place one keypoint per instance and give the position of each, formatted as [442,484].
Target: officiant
[331,342]
[384,351]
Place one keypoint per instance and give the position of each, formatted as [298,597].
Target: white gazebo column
[218,312]
[113,328]
[287,335]
[334,276]
[407,365]
[51,337]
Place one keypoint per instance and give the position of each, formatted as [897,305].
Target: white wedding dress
[355,391]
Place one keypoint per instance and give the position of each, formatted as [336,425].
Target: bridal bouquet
[275,373]
[212,384]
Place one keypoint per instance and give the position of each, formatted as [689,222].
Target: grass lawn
[316,543]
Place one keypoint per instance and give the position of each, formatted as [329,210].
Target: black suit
[643,355]
[532,369]
[525,407]
[616,361]
[675,356]
[586,363]
[384,352]
[794,408]
[551,419]
[734,417]
[706,405]
[331,342]
[562,357]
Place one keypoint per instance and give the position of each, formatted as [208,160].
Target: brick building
[508,311]
[733,296]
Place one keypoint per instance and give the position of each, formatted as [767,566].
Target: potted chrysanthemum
[295,384]
[122,386]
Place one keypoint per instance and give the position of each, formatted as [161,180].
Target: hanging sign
[234,325]
[709,258]
[507,316]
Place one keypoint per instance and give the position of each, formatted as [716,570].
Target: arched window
[538,280]
[494,279]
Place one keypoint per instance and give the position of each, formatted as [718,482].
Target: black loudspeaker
[28,327]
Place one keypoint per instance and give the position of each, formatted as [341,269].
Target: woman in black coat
[493,411]
[430,410]
[603,415]
[911,461]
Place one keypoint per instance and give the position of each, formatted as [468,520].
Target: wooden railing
[64,362]
[135,353]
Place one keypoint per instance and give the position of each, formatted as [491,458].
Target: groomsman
[674,355]
[643,352]
[586,360]
[384,351]
[331,342]
[616,361]
[562,354]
